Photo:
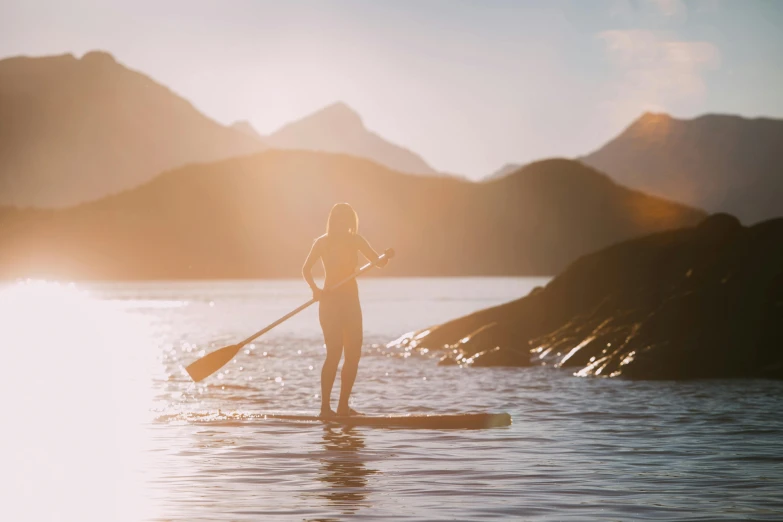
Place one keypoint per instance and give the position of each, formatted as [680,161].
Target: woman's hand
[383,261]
[317,292]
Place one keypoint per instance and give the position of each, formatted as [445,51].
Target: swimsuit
[339,311]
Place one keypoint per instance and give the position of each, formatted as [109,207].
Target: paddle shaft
[292,313]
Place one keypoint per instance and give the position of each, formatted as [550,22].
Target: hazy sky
[468,85]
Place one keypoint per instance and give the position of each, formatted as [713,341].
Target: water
[100,422]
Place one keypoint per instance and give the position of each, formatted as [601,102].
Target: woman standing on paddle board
[340,313]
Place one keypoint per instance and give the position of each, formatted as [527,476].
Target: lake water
[101,423]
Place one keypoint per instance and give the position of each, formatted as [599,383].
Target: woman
[340,313]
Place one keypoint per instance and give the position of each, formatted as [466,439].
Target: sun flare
[77,395]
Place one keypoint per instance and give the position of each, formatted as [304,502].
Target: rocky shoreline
[698,302]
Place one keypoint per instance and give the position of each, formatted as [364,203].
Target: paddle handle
[388,254]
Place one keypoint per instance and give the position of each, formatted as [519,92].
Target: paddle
[212,362]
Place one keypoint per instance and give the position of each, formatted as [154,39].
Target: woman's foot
[327,412]
[347,412]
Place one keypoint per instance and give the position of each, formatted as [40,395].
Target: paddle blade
[212,362]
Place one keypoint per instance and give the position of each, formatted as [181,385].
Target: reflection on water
[82,370]
[344,470]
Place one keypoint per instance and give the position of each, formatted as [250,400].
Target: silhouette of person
[340,313]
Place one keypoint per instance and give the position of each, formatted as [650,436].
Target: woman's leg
[332,327]
[352,340]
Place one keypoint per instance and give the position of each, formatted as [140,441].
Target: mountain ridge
[76,129]
[255,217]
[723,163]
[340,129]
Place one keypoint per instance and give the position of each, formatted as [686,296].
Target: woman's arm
[368,252]
[307,269]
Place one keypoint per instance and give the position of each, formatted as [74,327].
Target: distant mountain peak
[651,119]
[560,171]
[98,57]
[719,162]
[130,128]
[650,126]
[339,128]
[654,117]
[338,115]
[504,171]
[339,107]
[246,128]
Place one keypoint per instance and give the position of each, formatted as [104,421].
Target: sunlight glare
[77,391]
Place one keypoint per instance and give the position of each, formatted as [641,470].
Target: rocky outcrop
[700,302]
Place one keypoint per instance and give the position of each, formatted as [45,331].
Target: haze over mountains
[256,216]
[161,206]
[720,163]
[77,129]
[504,171]
[716,162]
[338,128]
[74,130]
[246,128]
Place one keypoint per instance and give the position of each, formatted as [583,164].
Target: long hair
[342,221]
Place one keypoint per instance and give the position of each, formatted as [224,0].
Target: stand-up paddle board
[470,421]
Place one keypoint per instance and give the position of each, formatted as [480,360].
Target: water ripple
[578,449]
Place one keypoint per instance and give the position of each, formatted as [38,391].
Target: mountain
[716,162]
[246,128]
[504,171]
[338,128]
[74,130]
[256,216]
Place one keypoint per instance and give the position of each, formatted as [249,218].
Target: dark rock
[481,348]
[702,302]
[484,338]
[450,359]
[720,224]
[496,356]
[499,357]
